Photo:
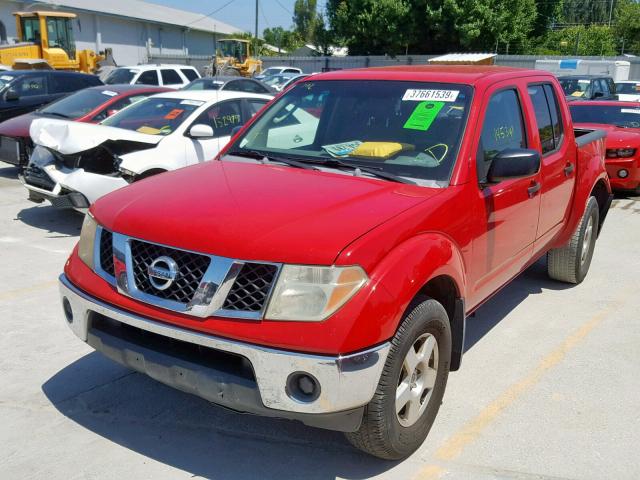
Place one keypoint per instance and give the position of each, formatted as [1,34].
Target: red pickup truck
[322,270]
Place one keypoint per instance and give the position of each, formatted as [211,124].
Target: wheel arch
[602,195]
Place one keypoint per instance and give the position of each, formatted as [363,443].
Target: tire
[393,436]
[571,263]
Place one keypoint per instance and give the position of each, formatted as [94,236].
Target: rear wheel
[571,262]
[403,409]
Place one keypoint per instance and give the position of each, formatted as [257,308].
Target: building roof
[145,11]
[464,58]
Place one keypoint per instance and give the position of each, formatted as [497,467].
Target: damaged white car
[73,164]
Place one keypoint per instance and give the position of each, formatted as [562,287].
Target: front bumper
[631,166]
[174,356]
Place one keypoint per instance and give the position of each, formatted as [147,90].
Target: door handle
[568,170]
[534,188]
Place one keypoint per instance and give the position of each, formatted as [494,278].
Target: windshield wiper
[54,114]
[264,158]
[334,162]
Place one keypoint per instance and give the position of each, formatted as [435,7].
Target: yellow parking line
[18,292]
[455,444]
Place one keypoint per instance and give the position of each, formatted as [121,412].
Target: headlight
[621,152]
[308,293]
[87,240]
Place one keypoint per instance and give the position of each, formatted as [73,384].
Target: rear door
[171,78]
[508,210]
[558,166]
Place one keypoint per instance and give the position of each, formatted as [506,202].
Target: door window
[503,129]
[150,77]
[255,105]
[170,77]
[31,86]
[67,83]
[222,117]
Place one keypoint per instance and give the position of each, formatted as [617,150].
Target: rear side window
[68,83]
[150,77]
[503,128]
[543,117]
[291,70]
[170,77]
[190,74]
[556,116]
[32,85]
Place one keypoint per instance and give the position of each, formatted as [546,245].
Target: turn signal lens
[312,294]
[87,240]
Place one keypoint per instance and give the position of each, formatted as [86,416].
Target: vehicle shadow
[190,434]
[531,282]
[54,220]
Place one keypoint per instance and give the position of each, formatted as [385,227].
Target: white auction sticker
[6,78]
[110,93]
[419,95]
[631,110]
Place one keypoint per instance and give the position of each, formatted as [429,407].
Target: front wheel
[571,262]
[404,407]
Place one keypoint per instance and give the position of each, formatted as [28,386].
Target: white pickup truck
[73,164]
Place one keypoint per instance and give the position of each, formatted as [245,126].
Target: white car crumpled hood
[68,137]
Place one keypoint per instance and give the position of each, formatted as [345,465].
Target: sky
[240,13]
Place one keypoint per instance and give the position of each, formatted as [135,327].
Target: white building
[134,29]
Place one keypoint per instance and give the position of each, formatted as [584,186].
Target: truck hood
[68,137]
[256,212]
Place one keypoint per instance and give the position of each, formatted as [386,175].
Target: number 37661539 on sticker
[419,95]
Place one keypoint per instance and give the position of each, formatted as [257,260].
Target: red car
[91,105]
[323,268]
[621,120]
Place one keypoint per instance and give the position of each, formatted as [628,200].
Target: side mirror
[12,95]
[236,130]
[513,163]
[200,130]
[598,95]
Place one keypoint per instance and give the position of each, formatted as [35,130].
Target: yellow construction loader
[45,40]
[233,57]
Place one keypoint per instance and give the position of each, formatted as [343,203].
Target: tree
[305,17]
[628,25]
[285,39]
[579,40]
[547,13]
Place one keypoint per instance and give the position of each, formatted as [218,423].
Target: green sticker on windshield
[423,116]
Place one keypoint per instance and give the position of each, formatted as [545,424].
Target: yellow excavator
[233,57]
[45,41]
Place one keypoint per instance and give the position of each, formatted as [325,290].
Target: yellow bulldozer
[45,41]
[233,57]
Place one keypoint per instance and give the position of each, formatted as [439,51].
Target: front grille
[191,269]
[251,288]
[106,252]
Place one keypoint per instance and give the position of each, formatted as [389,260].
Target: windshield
[205,84]
[409,129]
[120,75]
[628,88]
[574,87]
[78,104]
[271,71]
[155,115]
[233,48]
[610,115]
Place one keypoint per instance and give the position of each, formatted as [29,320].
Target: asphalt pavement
[549,386]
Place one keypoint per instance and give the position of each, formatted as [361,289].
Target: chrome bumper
[346,382]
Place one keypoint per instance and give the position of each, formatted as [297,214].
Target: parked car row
[322,266]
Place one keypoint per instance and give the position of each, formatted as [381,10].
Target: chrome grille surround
[209,298]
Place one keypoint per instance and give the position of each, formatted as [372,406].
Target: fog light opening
[303,387]
[68,312]
[623,173]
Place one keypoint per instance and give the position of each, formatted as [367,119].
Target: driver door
[508,210]
[222,117]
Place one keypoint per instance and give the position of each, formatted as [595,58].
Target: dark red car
[621,120]
[91,105]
